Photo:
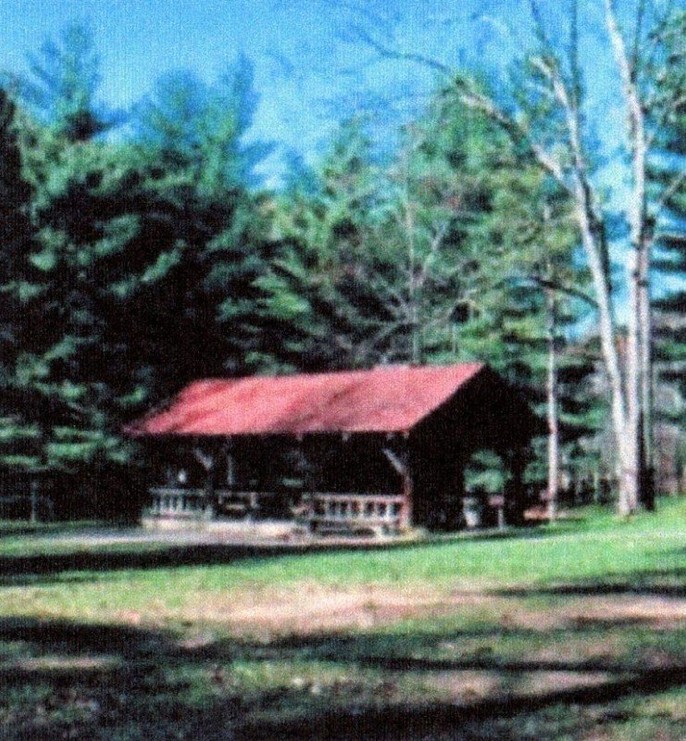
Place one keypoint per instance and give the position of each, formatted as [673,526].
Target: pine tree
[321,307]
[139,278]
[193,137]
[18,287]
[61,88]
[670,260]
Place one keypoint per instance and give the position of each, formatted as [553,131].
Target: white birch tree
[546,109]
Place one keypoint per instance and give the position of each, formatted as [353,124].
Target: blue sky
[139,40]
[306,75]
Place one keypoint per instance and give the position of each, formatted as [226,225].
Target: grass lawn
[572,631]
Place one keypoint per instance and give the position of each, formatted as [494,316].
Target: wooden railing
[334,511]
[317,511]
[168,501]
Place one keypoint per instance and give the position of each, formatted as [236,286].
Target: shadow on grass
[20,528]
[20,568]
[91,556]
[74,680]
[669,583]
[447,720]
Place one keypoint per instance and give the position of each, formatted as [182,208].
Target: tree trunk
[415,339]
[646,360]
[34,502]
[631,438]
[629,382]
[637,490]
[552,410]
[591,235]
[515,493]
[637,442]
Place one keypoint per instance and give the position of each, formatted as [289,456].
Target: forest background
[530,217]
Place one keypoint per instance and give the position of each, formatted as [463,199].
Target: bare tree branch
[539,25]
[515,130]
[434,247]
[635,54]
[669,191]
[388,52]
[563,288]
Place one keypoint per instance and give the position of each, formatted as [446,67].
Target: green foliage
[375,258]
[529,293]
[18,284]
[128,273]
[670,258]
[62,86]
[135,263]
[200,128]
[321,306]
[485,474]
[135,280]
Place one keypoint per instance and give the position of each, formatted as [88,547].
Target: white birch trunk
[607,330]
[634,448]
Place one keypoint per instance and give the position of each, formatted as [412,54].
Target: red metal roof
[385,399]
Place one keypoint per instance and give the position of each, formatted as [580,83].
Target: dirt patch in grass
[654,612]
[353,659]
[313,608]
[464,687]
[426,643]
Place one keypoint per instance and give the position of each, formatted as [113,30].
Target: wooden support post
[501,518]
[34,501]
[253,506]
[408,492]
[402,467]
[515,494]
[207,461]
[455,506]
[230,469]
